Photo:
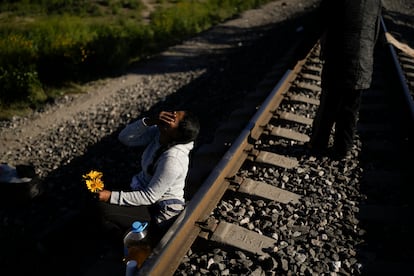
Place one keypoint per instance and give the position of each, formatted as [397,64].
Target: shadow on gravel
[58,233]
[385,214]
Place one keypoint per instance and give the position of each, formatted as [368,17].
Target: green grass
[46,45]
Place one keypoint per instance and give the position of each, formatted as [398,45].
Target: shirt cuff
[115,197]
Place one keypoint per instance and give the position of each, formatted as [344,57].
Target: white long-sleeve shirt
[170,171]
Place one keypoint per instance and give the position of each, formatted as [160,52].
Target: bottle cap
[138,226]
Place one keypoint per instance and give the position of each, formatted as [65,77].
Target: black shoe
[315,149]
[340,153]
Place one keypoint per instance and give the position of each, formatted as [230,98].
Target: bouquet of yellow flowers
[94,181]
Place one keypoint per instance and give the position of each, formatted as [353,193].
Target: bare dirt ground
[150,6]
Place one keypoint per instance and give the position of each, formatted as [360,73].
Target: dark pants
[117,220]
[338,107]
[124,216]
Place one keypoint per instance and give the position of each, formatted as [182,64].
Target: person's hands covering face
[166,118]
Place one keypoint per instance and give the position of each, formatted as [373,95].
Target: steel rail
[185,230]
[167,255]
[404,86]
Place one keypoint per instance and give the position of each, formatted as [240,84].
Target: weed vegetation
[48,47]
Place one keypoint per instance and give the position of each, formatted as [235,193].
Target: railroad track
[255,187]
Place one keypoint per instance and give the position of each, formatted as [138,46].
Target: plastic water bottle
[136,244]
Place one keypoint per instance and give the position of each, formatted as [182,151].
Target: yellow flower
[93,181]
[93,175]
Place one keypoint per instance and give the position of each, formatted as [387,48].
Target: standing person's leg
[346,122]
[324,120]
